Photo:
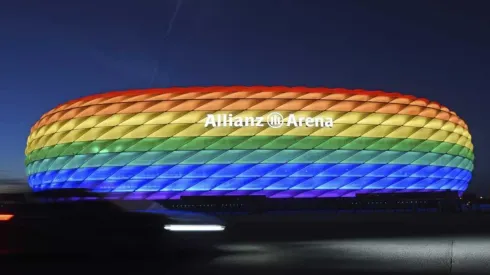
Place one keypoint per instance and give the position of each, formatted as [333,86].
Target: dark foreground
[308,244]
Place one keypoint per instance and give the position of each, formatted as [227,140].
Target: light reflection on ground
[448,255]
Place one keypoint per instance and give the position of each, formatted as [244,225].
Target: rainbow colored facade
[153,144]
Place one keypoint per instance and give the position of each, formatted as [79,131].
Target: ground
[320,244]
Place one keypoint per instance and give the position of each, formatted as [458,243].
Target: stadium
[156,144]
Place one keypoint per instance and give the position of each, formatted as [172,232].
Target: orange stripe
[195,98]
[247,104]
[167,93]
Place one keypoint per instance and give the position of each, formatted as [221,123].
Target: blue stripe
[255,177]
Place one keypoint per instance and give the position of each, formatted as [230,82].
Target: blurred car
[82,221]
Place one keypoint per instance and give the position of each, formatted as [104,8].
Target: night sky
[54,51]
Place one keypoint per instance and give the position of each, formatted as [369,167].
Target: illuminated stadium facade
[154,144]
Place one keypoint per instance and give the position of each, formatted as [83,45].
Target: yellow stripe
[199,116]
[192,130]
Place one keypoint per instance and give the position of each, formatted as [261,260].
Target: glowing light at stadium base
[194,227]
[153,144]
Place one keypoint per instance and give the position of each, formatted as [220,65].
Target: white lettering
[259,121]
[210,121]
[292,120]
[329,122]
[275,121]
[238,122]
[249,121]
[310,122]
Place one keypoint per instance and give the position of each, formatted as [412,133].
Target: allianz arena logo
[272,120]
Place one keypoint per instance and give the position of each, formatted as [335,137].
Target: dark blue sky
[53,51]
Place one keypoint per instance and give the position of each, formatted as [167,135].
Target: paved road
[458,255]
[449,255]
[285,246]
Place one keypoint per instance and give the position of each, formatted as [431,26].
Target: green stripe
[248,143]
[247,156]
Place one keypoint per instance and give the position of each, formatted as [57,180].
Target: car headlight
[194,227]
